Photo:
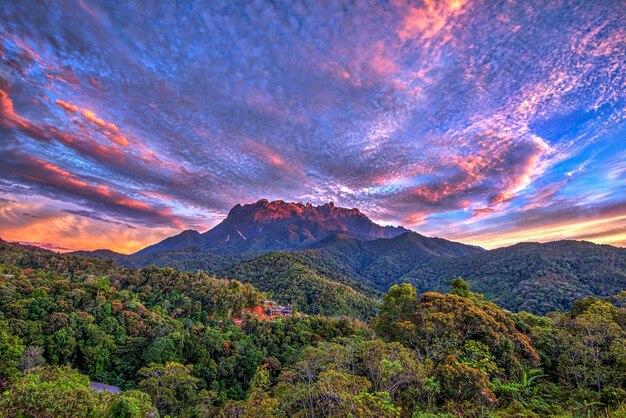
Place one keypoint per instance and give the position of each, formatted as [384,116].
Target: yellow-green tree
[171,385]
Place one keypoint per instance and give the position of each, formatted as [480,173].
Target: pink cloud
[40,172]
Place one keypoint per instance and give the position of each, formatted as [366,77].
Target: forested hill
[167,339]
[131,328]
[309,288]
[535,277]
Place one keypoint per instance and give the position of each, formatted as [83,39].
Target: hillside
[324,256]
[534,277]
[338,274]
[122,326]
[311,288]
[379,262]
[168,340]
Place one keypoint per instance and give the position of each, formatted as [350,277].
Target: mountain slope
[326,251]
[286,277]
[277,225]
[289,278]
[531,276]
[379,262]
[337,275]
[535,277]
[186,239]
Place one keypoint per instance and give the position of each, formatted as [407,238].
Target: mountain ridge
[276,225]
[531,276]
[300,252]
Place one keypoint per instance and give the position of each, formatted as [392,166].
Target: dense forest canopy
[166,338]
[533,277]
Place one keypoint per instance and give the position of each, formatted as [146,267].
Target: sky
[487,122]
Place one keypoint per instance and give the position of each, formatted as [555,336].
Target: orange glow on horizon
[64,231]
[600,231]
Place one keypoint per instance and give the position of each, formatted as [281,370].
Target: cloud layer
[484,121]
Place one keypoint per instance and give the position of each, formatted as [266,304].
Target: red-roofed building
[268,312]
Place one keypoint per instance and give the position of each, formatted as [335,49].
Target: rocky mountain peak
[267,225]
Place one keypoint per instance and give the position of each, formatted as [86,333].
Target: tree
[32,357]
[591,345]
[354,378]
[172,386]
[11,349]
[132,404]
[395,320]
[462,383]
[259,403]
[162,350]
[52,392]
[390,367]
[439,325]
[477,355]
[459,287]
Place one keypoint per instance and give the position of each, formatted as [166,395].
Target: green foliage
[32,357]
[170,335]
[112,322]
[483,358]
[259,403]
[11,349]
[309,288]
[397,312]
[52,392]
[353,378]
[132,404]
[478,333]
[478,356]
[532,277]
[591,346]
[463,383]
[459,287]
[172,386]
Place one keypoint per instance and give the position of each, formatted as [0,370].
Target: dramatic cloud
[47,177]
[485,121]
[65,227]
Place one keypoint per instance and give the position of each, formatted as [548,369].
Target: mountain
[531,276]
[534,277]
[124,326]
[327,253]
[379,262]
[324,259]
[186,239]
[277,225]
[336,274]
[102,254]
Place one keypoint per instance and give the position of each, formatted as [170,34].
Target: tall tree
[171,385]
